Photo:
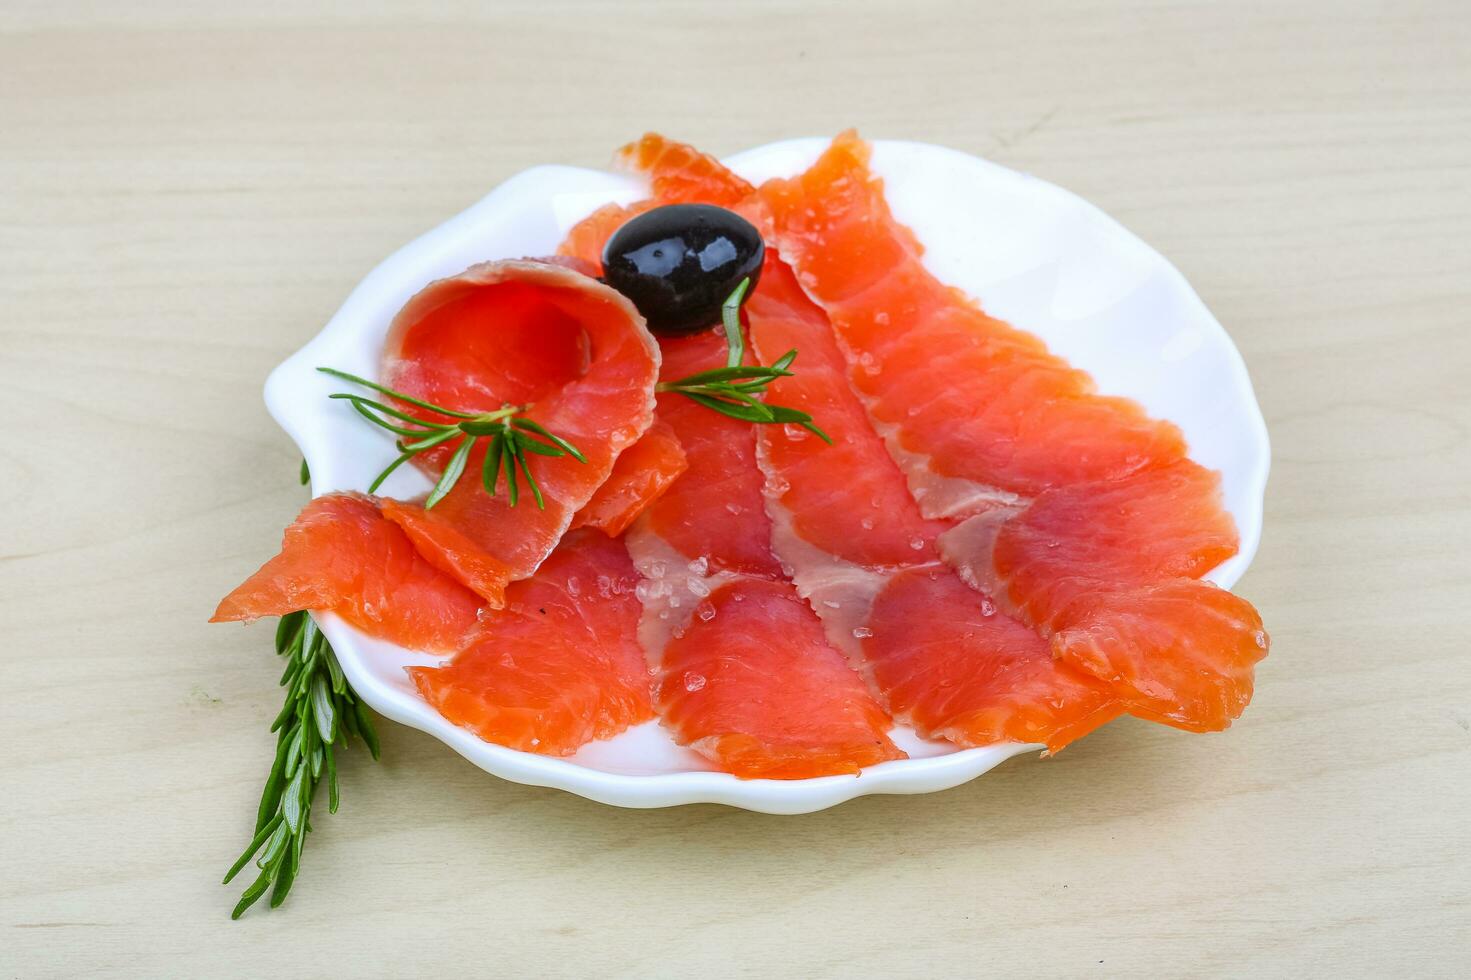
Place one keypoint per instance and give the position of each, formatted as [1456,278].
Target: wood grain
[187,191]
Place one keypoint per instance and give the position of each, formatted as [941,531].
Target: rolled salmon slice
[343,556]
[539,334]
[560,665]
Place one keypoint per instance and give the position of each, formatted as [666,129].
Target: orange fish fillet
[342,555]
[982,418]
[560,665]
[531,333]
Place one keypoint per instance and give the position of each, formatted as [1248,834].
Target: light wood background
[187,191]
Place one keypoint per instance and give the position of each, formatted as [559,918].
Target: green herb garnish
[321,711]
[731,390]
[510,436]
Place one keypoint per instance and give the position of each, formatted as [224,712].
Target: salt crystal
[700,565]
[698,586]
[706,612]
[862,632]
[988,608]
[693,681]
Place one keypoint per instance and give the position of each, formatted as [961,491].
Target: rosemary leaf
[451,473]
[395,394]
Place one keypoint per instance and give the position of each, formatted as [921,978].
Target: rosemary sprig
[731,390]
[511,437]
[320,713]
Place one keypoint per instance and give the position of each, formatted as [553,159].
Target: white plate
[1034,254]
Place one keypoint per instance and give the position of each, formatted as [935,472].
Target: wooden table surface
[187,192]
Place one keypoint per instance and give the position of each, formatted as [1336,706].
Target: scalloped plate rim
[293,397]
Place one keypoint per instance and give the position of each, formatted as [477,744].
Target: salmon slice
[714,510]
[680,174]
[954,667]
[973,409]
[529,333]
[942,658]
[1159,524]
[641,474]
[848,499]
[341,555]
[982,418]
[1183,652]
[677,174]
[586,239]
[1108,571]
[745,675]
[560,665]
[755,687]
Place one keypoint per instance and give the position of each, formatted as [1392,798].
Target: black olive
[679,263]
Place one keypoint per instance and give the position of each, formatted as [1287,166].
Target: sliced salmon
[529,333]
[848,499]
[755,686]
[1183,652]
[973,409]
[955,667]
[585,241]
[983,419]
[714,510]
[1108,570]
[744,672]
[641,474]
[1158,524]
[941,657]
[560,665]
[680,174]
[342,556]
[677,174]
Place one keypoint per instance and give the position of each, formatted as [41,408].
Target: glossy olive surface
[679,262]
